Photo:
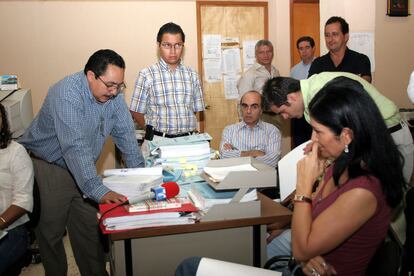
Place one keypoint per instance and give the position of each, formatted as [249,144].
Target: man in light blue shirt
[306,50]
[65,140]
[252,137]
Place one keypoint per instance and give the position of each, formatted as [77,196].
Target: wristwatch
[302,198]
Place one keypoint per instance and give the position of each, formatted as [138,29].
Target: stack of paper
[189,153]
[133,182]
[120,219]
[204,196]
[217,174]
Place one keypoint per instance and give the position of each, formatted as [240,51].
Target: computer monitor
[19,110]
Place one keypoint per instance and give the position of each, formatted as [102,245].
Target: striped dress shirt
[263,136]
[168,98]
[71,128]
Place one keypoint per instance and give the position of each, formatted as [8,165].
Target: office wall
[43,41]
[394,41]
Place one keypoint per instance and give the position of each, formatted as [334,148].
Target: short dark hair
[344,103]
[305,38]
[5,134]
[275,90]
[170,28]
[341,21]
[99,61]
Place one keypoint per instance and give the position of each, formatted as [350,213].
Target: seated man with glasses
[252,137]
[167,94]
[65,141]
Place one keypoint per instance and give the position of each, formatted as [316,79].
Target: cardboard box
[265,176]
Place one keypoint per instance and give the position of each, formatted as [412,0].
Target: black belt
[395,128]
[158,133]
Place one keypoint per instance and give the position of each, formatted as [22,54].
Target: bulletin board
[236,25]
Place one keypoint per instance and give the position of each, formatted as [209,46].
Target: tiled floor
[37,269]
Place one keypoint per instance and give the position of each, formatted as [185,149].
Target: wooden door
[304,21]
[243,20]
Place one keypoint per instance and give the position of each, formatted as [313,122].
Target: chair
[32,254]
[385,262]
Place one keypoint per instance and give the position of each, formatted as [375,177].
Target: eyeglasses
[168,46]
[117,86]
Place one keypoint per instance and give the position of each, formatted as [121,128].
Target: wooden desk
[158,250]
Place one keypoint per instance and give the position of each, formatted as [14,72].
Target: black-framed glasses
[168,46]
[111,85]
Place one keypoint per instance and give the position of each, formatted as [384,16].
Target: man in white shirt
[255,77]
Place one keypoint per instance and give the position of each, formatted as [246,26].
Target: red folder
[122,211]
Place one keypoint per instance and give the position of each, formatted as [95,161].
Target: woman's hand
[308,170]
[318,267]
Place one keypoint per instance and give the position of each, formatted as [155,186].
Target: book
[120,219]
[152,204]
[204,196]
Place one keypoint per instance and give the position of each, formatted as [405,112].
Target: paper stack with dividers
[188,153]
[133,182]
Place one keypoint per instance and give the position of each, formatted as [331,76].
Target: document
[208,267]
[230,86]
[231,60]
[217,174]
[249,55]
[287,170]
[211,46]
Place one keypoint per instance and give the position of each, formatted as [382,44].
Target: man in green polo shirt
[290,98]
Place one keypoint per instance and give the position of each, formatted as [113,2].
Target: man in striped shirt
[167,94]
[252,137]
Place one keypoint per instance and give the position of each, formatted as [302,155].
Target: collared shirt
[353,62]
[313,84]
[410,88]
[71,128]
[300,71]
[263,136]
[16,181]
[168,98]
[254,78]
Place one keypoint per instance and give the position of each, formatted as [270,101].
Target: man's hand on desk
[113,197]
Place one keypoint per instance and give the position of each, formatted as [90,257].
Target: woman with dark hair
[337,228]
[16,186]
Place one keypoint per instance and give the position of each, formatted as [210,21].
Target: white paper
[211,267]
[211,46]
[212,70]
[230,40]
[249,53]
[230,86]
[231,60]
[134,171]
[287,170]
[219,173]
[363,43]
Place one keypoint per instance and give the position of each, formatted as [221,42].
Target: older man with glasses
[65,141]
[168,93]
